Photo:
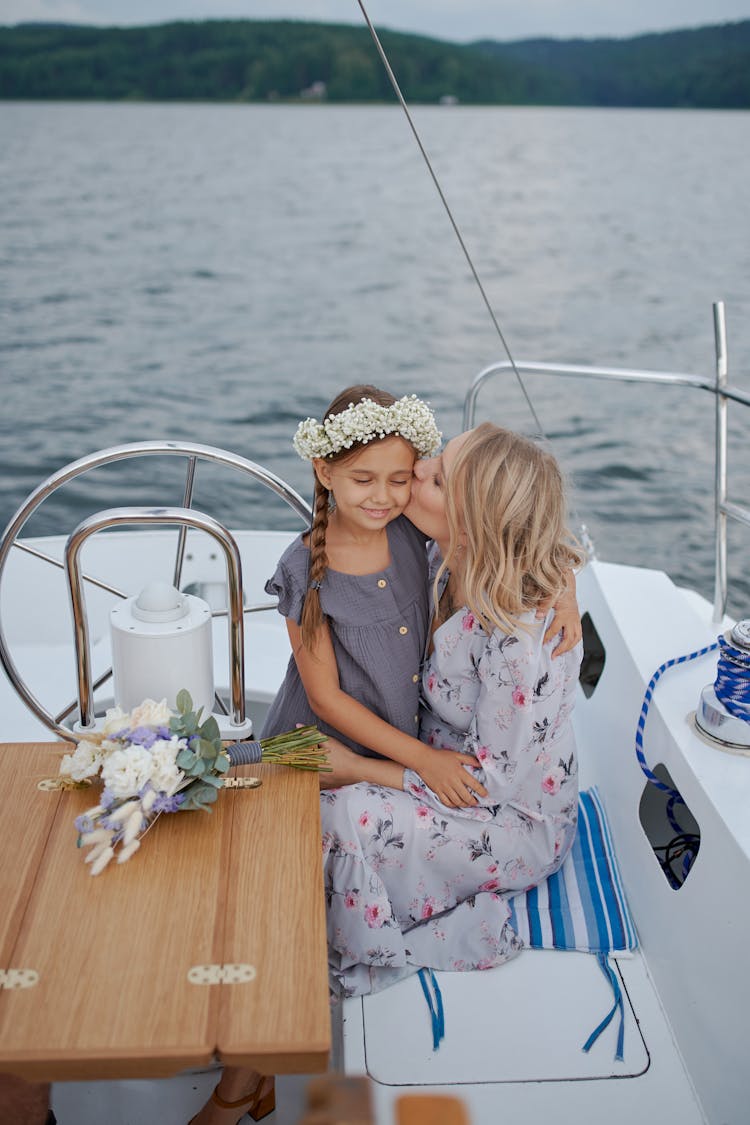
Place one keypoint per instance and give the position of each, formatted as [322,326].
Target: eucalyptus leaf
[210,729]
[184,701]
[207,750]
[200,797]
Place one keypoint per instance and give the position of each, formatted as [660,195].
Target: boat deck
[513,1044]
[514,1034]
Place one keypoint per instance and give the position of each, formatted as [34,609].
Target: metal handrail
[719,387]
[182,517]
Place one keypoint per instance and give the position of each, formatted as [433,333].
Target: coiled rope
[732,684]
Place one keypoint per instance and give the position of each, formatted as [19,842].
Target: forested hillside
[254,60]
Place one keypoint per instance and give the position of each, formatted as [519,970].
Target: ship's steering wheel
[184,517]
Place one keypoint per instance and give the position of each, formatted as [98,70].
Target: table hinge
[242,782]
[18,978]
[221,974]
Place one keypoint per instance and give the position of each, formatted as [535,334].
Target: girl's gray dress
[411,883]
[378,625]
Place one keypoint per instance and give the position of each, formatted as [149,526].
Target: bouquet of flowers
[154,761]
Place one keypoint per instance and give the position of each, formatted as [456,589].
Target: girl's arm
[347,768]
[443,771]
[567,619]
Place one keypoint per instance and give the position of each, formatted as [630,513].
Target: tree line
[266,60]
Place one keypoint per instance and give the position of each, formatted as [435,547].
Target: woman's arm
[444,771]
[524,695]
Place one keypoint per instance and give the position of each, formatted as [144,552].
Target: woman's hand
[445,772]
[567,619]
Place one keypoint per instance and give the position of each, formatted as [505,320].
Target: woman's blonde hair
[312,612]
[507,511]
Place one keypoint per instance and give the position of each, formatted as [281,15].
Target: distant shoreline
[297,62]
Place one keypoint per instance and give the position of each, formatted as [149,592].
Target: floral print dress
[412,883]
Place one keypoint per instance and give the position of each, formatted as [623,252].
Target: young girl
[354,590]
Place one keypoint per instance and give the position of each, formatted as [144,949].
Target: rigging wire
[397,90]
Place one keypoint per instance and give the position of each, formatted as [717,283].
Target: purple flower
[84,824]
[168,804]
[143,736]
[107,799]
[163,733]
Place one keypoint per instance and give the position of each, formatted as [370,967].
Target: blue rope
[673,795]
[732,685]
[437,1014]
[611,976]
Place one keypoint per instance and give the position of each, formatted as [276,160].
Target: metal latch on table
[232,973]
[18,978]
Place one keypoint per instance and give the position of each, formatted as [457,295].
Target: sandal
[258,1104]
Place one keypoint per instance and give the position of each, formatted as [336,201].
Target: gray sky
[447,19]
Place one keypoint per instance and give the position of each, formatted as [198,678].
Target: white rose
[114,720]
[125,772]
[83,762]
[165,774]
[151,714]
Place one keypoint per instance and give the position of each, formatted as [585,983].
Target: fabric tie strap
[611,976]
[427,978]
[245,753]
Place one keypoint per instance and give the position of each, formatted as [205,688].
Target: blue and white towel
[582,906]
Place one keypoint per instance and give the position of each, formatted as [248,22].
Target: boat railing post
[187,502]
[720,467]
[119,517]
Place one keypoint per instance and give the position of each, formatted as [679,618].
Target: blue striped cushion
[582,906]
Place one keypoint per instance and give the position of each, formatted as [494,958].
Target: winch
[723,712]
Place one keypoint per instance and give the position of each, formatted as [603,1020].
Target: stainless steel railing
[719,387]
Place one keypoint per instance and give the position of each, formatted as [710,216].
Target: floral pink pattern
[431,882]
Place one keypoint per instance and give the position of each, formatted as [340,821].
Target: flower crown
[362,422]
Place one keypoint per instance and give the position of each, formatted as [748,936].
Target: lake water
[217,272]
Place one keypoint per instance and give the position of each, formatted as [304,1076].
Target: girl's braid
[312,613]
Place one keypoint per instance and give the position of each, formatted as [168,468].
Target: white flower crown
[362,422]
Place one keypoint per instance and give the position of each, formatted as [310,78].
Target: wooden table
[242,885]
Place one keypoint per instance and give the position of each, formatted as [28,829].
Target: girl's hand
[445,772]
[567,619]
